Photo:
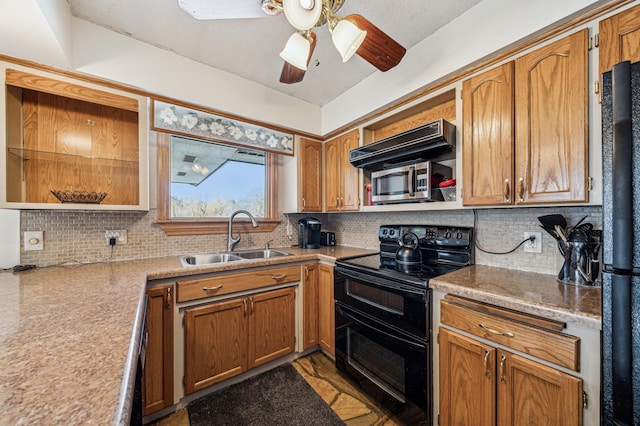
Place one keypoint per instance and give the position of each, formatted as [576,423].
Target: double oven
[383,317]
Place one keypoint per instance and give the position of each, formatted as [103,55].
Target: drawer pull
[279,277]
[244,304]
[503,359]
[216,288]
[496,332]
[487,373]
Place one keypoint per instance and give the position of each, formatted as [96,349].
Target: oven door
[401,306]
[391,367]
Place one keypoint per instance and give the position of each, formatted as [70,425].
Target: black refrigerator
[621,245]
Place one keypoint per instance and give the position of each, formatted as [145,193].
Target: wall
[79,236]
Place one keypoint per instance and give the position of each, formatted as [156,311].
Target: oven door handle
[366,322]
[380,282]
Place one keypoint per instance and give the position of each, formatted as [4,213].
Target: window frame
[199,226]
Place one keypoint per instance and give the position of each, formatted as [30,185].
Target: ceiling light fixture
[350,35]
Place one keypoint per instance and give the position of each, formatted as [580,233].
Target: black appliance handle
[367,323]
[411,176]
[379,282]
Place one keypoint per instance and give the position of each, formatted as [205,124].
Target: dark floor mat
[278,397]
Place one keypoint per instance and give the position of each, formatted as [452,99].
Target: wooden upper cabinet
[341,178]
[551,123]
[310,181]
[488,157]
[620,39]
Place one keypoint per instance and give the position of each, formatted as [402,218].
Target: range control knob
[459,235]
[447,234]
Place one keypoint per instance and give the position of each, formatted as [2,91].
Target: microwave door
[393,185]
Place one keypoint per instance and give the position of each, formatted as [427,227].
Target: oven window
[381,365]
[374,296]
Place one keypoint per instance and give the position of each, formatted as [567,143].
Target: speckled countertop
[69,334]
[529,292]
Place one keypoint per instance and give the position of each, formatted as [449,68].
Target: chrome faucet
[231,242]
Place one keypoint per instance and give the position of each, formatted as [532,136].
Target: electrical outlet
[120,235]
[33,240]
[534,246]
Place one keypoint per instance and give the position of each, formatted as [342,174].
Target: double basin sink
[234,256]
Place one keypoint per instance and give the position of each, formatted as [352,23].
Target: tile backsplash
[79,235]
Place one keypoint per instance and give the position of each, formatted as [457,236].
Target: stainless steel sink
[208,258]
[223,257]
[261,254]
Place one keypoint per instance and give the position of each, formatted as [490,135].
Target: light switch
[33,240]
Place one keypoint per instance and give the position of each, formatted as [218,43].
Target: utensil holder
[581,263]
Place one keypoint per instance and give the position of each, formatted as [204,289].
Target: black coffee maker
[309,233]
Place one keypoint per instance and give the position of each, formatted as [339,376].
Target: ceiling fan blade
[291,74]
[378,48]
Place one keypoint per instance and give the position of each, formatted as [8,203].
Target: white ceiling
[249,48]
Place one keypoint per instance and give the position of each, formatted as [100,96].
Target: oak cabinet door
[216,339]
[341,178]
[620,39]
[158,366]
[310,306]
[310,167]
[551,123]
[326,309]
[488,110]
[271,326]
[532,393]
[467,381]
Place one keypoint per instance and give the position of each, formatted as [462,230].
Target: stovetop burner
[444,249]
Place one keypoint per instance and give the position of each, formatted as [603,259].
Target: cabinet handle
[496,332]
[507,190]
[487,373]
[278,277]
[253,306]
[304,203]
[168,304]
[521,189]
[244,305]
[216,288]
[306,272]
[503,359]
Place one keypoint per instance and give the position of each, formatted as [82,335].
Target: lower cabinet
[326,309]
[485,384]
[157,382]
[310,305]
[224,339]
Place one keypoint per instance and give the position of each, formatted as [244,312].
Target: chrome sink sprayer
[231,243]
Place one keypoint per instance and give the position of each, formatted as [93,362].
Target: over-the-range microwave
[407,183]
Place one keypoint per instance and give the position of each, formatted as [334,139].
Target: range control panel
[429,235]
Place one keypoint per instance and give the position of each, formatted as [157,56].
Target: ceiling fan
[351,35]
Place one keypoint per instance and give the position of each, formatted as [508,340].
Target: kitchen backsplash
[79,235]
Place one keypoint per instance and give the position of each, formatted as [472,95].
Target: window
[200,183]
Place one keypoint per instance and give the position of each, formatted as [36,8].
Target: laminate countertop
[69,335]
[533,293]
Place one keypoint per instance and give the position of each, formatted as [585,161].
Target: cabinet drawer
[215,286]
[551,346]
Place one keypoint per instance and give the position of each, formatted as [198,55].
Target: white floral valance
[205,125]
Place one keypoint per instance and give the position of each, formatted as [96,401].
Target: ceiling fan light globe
[347,38]
[296,51]
[299,16]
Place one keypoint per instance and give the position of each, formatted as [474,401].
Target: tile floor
[346,400]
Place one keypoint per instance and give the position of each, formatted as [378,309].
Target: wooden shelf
[58,157]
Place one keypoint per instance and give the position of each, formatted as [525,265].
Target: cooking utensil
[551,220]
